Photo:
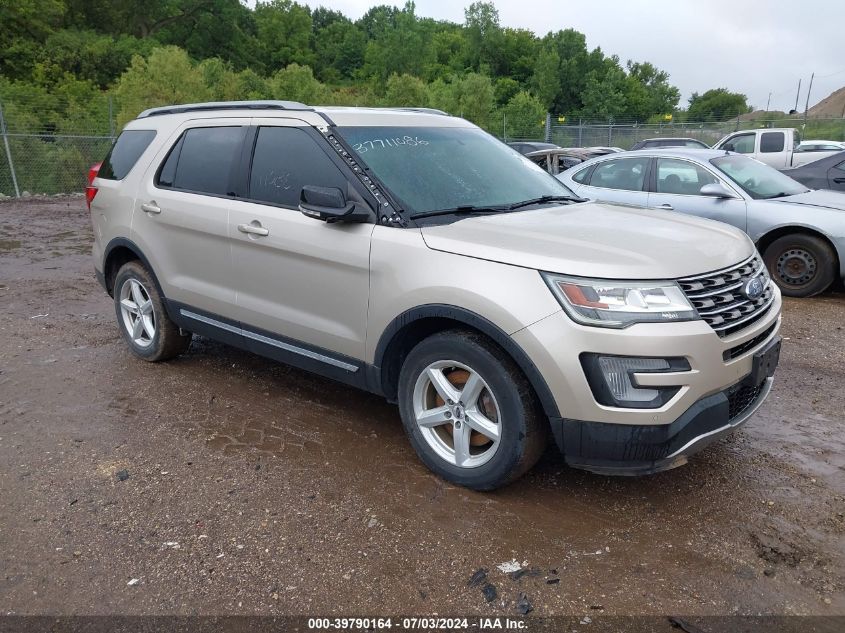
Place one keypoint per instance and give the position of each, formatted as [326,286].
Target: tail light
[91,190]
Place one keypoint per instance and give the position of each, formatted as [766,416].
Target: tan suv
[409,253]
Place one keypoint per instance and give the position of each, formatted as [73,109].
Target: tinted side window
[125,153]
[285,160]
[840,166]
[202,160]
[771,142]
[623,173]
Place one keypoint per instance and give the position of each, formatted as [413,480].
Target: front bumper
[613,439]
[622,449]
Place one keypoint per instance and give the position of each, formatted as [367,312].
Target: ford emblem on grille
[753,288]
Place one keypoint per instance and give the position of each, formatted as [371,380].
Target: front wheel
[801,265]
[141,316]
[469,412]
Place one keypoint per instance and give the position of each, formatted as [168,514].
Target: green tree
[504,88]
[167,76]
[24,26]
[606,96]
[340,48]
[398,47]
[283,33]
[545,82]
[406,90]
[524,116]
[473,98]
[662,97]
[297,83]
[717,104]
[481,20]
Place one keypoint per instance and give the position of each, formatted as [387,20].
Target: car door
[836,177]
[181,216]
[301,284]
[618,180]
[676,186]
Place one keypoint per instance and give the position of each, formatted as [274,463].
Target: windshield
[758,180]
[434,168]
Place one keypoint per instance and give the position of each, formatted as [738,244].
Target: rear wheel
[141,316]
[801,265]
[469,412]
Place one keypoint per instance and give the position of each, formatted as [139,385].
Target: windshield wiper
[782,194]
[542,199]
[465,209]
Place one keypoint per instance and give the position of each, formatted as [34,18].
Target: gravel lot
[254,488]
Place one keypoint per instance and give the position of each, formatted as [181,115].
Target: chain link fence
[568,131]
[49,144]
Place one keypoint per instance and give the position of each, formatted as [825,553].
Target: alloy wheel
[137,311]
[457,414]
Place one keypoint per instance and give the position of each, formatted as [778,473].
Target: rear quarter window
[125,153]
[771,142]
[581,176]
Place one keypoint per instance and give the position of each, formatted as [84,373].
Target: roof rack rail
[224,105]
[422,110]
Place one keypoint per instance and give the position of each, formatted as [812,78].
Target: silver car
[800,232]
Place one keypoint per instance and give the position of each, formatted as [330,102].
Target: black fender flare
[477,322]
[122,242]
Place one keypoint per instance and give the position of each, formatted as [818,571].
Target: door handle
[150,207]
[253,229]
[666,207]
[839,181]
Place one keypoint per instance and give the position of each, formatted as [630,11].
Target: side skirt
[345,369]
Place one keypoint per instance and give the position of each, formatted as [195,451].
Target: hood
[820,198]
[596,240]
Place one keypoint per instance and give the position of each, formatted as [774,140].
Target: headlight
[618,304]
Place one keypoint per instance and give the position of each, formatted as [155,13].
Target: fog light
[612,381]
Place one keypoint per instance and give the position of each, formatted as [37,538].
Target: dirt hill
[831,106]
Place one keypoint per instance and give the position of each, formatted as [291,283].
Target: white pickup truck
[777,147]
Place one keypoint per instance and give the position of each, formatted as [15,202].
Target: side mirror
[728,147]
[716,190]
[329,205]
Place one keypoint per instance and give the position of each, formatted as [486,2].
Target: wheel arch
[416,324]
[117,253]
[766,239]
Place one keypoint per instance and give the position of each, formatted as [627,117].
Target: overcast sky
[749,46]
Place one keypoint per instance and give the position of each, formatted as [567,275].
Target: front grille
[719,300]
[741,397]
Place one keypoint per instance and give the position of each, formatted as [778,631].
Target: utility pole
[797,94]
[4,132]
[768,102]
[807,104]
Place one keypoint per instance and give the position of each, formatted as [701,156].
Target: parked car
[825,173]
[777,147]
[650,143]
[599,149]
[413,255]
[526,147]
[801,233]
[820,146]
[555,161]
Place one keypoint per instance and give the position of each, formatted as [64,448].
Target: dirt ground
[254,488]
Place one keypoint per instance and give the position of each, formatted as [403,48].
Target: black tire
[523,428]
[166,341]
[801,265]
